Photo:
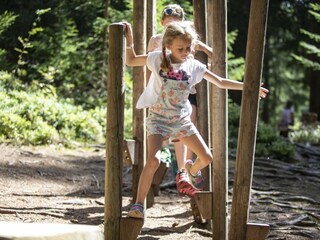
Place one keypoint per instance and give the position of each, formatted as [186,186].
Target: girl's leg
[152,164]
[199,147]
[180,150]
[184,186]
[194,120]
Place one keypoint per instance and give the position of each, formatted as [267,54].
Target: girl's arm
[132,59]
[200,46]
[225,83]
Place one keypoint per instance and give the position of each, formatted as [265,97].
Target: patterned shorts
[173,128]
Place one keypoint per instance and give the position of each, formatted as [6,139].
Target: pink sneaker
[183,185]
[197,180]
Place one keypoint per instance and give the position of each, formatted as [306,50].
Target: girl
[169,113]
[175,13]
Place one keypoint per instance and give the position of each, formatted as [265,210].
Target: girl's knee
[153,162]
[208,158]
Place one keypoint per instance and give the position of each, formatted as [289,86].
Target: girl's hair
[183,30]
[173,10]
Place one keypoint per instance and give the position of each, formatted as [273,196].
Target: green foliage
[270,144]
[268,141]
[26,44]
[6,20]
[311,57]
[34,117]
[306,135]
[128,109]
[235,64]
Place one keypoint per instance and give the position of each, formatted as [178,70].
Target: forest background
[53,70]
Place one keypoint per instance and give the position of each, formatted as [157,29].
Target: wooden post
[202,88]
[248,120]
[199,16]
[217,11]
[151,18]
[151,30]
[139,36]
[114,140]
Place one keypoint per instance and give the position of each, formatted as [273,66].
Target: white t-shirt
[192,67]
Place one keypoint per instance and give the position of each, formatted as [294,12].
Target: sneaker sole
[135,214]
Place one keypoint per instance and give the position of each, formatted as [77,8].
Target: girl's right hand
[129,37]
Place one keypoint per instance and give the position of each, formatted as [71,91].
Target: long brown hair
[183,30]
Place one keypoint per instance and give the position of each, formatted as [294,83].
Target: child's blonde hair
[183,30]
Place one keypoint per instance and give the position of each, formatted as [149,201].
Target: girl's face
[169,19]
[180,49]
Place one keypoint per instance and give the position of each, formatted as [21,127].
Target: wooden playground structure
[119,227]
[211,204]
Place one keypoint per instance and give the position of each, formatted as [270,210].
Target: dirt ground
[50,184]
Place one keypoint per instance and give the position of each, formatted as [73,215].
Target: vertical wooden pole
[139,37]
[114,140]
[151,29]
[199,16]
[151,18]
[248,120]
[217,15]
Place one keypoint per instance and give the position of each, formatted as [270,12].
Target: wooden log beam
[217,25]
[115,126]
[202,88]
[248,120]
[139,37]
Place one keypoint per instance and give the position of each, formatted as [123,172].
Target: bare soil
[51,184]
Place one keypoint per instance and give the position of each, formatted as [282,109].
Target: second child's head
[172,13]
[178,38]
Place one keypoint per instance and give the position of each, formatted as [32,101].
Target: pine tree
[311,48]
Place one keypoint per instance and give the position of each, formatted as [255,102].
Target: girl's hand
[263,92]
[198,45]
[129,37]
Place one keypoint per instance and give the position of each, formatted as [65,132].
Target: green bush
[34,117]
[306,134]
[268,141]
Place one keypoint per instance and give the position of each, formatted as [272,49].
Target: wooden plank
[196,212]
[129,152]
[257,231]
[202,88]
[49,231]
[217,24]
[130,228]
[204,203]
[248,120]
[139,37]
[151,18]
[115,126]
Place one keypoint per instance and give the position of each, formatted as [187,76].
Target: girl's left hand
[263,92]
[129,35]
